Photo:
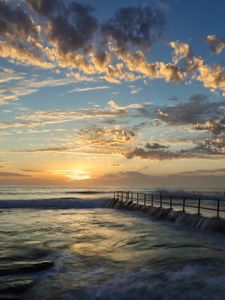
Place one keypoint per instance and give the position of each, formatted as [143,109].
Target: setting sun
[78,174]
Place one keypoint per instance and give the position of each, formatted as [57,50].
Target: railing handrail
[177,196]
[159,198]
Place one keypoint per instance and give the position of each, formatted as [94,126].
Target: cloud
[94,88]
[210,147]
[15,23]
[152,154]
[47,149]
[44,7]
[60,34]
[214,126]
[138,26]
[79,25]
[170,72]
[183,52]
[11,174]
[93,139]
[197,109]
[134,89]
[15,90]
[8,75]
[203,172]
[30,171]
[215,43]
[212,77]
[155,146]
[73,18]
[65,35]
[40,118]
[18,52]
[105,139]
[134,178]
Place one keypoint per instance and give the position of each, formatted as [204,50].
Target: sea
[103,254]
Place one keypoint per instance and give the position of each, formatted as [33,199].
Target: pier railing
[195,203]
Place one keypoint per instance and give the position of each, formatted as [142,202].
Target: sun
[78,174]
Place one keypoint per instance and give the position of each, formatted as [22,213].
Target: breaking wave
[55,203]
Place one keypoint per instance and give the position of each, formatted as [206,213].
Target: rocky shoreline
[10,288]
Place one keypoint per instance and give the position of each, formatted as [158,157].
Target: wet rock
[118,204]
[214,224]
[156,212]
[199,223]
[126,205]
[187,219]
[132,206]
[111,203]
[162,214]
[180,216]
[144,209]
[172,215]
[195,220]
[15,286]
[148,212]
[129,204]
[24,267]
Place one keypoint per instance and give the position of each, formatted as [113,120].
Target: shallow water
[110,254]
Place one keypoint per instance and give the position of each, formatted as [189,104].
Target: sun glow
[78,174]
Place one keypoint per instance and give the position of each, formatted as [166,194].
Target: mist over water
[103,253]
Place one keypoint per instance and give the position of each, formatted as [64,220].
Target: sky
[101,93]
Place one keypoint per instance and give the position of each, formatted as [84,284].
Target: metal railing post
[152,200]
[184,204]
[127,198]
[137,198]
[160,199]
[144,199]
[218,208]
[199,204]
[171,202]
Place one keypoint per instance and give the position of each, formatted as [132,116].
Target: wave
[55,203]
[88,192]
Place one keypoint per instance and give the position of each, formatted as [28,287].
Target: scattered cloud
[155,146]
[138,26]
[197,109]
[94,88]
[212,77]
[40,118]
[11,174]
[30,171]
[33,33]
[203,172]
[105,139]
[47,149]
[152,154]
[216,127]
[134,89]
[215,43]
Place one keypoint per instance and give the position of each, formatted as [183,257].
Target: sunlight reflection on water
[110,254]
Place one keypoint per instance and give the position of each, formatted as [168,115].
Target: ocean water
[101,253]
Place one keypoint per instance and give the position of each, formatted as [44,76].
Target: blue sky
[124,89]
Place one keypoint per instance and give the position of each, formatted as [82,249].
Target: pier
[196,210]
